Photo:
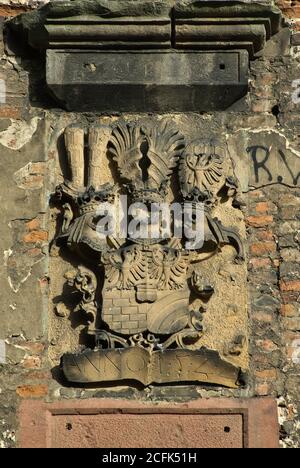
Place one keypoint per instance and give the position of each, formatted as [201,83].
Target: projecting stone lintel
[148,56]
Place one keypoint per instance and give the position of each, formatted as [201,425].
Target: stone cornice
[159,24]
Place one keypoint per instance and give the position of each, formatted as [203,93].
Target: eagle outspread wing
[124,268]
[112,262]
[168,268]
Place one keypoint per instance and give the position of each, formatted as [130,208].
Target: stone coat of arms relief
[146,297]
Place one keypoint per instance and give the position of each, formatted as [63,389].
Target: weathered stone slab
[141,81]
[205,423]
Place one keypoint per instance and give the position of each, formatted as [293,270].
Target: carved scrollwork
[85,282]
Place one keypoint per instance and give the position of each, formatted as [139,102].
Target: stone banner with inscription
[180,365]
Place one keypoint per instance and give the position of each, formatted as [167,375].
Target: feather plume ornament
[125,149]
[165,146]
[146,154]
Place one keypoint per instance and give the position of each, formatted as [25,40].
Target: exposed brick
[262,207]
[260,262]
[292,323]
[289,310]
[290,8]
[261,359]
[32,362]
[264,317]
[267,374]
[292,342]
[32,391]
[13,10]
[263,105]
[289,212]
[33,347]
[290,296]
[263,248]
[36,237]
[266,345]
[38,375]
[31,176]
[262,389]
[290,336]
[33,225]
[265,79]
[9,112]
[257,194]
[264,92]
[264,235]
[34,252]
[287,199]
[259,221]
[290,255]
[264,277]
[290,285]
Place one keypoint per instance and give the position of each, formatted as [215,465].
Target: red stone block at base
[102,423]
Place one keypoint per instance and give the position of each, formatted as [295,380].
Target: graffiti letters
[271,165]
